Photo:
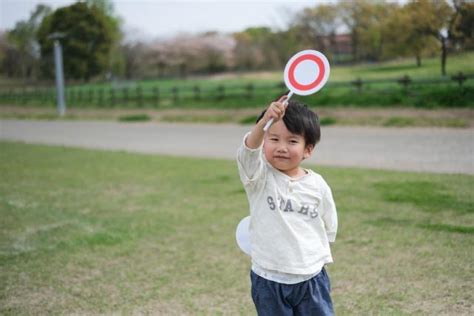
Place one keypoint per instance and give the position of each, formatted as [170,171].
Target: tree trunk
[354,45]
[444,55]
[418,60]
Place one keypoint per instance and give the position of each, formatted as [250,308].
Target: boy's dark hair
[300,120]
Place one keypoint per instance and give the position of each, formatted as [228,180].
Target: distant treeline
[345,31]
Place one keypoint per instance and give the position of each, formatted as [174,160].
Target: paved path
[411,149]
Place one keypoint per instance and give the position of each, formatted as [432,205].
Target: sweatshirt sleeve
[329,214]
[250,163]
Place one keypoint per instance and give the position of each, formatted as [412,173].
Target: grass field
[94,232]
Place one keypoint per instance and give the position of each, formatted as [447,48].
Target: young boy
[293,215]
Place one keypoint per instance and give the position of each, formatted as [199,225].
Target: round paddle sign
[306,72]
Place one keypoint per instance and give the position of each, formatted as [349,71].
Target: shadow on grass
[427,196]
[389,221]
[448,228]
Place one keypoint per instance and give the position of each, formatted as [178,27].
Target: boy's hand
[276,110]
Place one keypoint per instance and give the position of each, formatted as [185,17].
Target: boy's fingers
[276,110]
[283,98]
[279,109]
[279,105]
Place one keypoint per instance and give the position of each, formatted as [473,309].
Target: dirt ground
[394,117]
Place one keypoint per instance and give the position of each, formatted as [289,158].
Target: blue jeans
[311,297]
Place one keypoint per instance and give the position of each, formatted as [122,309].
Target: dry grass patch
[392,117]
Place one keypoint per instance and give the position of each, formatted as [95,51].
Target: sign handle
[269,123]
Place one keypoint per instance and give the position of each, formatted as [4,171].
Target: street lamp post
[58,63]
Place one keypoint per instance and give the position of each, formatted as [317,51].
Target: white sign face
[306,72]
[242,235]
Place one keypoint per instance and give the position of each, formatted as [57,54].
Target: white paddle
[305,73]
[242,235]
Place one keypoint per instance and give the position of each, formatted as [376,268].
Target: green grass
[96,232]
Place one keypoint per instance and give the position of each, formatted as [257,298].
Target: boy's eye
[273,139]
[293,141]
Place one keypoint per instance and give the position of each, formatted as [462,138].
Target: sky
[152,19]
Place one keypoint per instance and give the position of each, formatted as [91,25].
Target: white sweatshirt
[292,220]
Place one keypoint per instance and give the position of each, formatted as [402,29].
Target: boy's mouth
[281,157]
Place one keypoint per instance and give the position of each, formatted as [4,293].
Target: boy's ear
[308,150]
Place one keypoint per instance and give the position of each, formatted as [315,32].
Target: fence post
[52,95]
[24,96]
[91,96]
[100,93]
[250,88]
[40,96]
[175,92]
[197,93]
[138,91]
[112,97]
[220,92]
[34,96]
[17,99]
[358,84]
[460,78]
[79,97]
[76,96]
[404,81]
[125,96]
[156,96]
[69,95]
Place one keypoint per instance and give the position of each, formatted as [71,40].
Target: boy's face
[284,150]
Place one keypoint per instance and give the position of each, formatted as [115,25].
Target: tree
[23,49]
[318,26]
[433,18]
[249,50]
[133,57]
[261,48]
[215,51]
[87,42]
[463,30]
[352,16]
[6,61]
[367,22]
[281,45]
[403,39]
[116,59]
[185,54]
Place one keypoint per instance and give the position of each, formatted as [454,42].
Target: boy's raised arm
[275,111]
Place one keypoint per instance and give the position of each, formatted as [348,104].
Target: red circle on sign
[316,82]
